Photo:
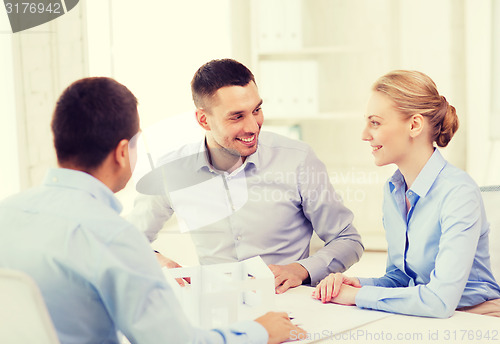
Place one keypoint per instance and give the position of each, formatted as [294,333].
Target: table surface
[330,323]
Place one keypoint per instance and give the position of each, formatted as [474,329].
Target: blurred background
[314,62]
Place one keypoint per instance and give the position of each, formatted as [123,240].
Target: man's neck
[224,163]
[100,173]
[222,160]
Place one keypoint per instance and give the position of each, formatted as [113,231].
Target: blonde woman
[433,213]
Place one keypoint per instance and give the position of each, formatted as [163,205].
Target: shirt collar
[202,158]
[397,180]
[425,178]
[78,180]
[429,174]
[254,158]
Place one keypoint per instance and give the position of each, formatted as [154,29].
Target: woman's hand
[332,285]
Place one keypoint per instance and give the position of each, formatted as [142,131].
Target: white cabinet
[314,62]
[318,58]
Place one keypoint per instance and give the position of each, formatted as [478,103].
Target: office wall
[483,145]
[44,60]
[9,163]
[155,48]
[437,48]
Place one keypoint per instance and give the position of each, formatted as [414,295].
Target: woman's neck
[414,163]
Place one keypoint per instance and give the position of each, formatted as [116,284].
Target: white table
[330,323]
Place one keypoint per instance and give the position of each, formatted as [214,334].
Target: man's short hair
[91,117]
[216,74]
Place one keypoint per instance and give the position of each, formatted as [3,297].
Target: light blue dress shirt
[438,256]
[267,207]
[97,273]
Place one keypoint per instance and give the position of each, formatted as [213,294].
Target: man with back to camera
[96,271]
[243,193]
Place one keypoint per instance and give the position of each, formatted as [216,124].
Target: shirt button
[410,193]
[238,238]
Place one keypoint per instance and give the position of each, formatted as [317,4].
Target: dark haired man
[96,272]
[243,193]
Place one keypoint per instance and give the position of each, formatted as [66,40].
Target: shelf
[310,51]
[339,116]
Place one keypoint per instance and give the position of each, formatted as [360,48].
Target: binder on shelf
[279,25]
[265,26]
[308,100]
[289,88]
[293,24]
[270,88]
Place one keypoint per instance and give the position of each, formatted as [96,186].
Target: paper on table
[322,321]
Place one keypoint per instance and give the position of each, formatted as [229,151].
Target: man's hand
[288,276]
[279,327]
[337,288]
[170,264]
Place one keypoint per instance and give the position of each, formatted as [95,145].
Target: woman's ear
[201,117]
[416,125]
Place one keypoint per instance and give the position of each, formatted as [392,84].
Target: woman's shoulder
[455,182]
[457,176]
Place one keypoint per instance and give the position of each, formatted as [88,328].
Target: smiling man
[232,118]
[242,193]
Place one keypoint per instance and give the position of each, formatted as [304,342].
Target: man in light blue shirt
[96,272]
[242,193]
